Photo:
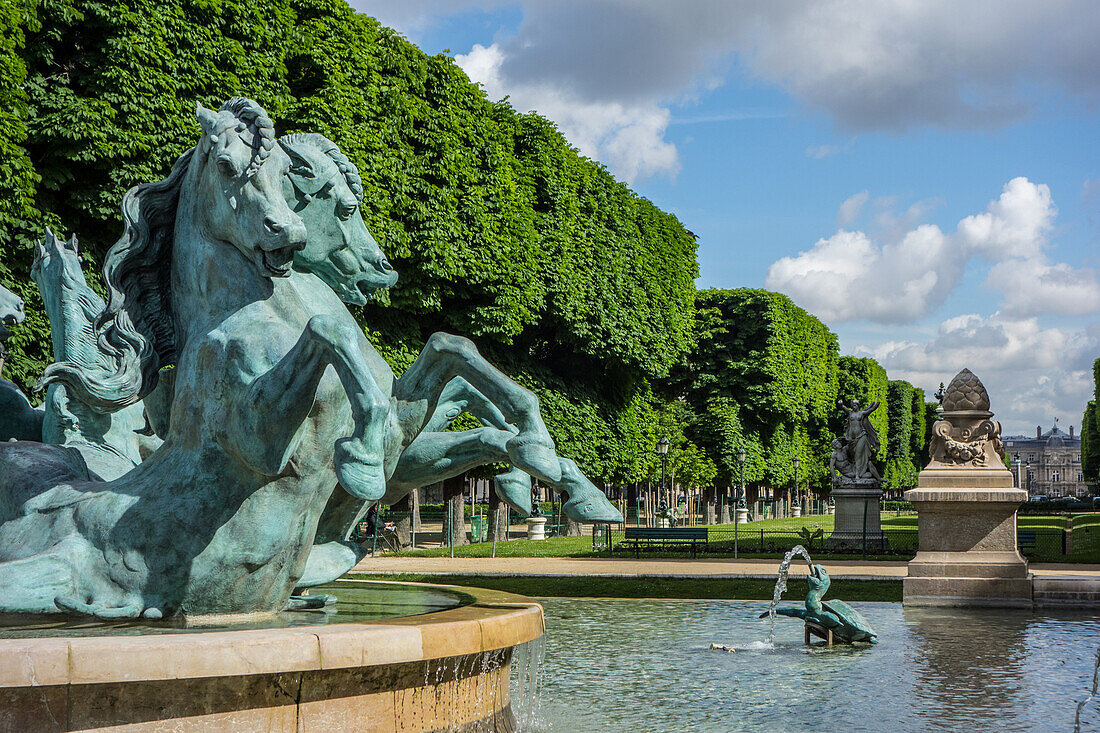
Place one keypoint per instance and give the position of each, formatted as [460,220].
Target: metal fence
[1079,543]
[732,540]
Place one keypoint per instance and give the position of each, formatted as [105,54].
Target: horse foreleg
[445,357]
[433,457]
[288,390]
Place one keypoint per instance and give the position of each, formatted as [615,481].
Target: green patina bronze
[18,419]
[846,623]
[225,317]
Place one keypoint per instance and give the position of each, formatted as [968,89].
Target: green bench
[664,538]
[1025,539]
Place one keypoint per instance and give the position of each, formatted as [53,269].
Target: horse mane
[136,331]
[329,148]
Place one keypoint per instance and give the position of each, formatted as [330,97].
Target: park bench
[1025,539]
[664,538]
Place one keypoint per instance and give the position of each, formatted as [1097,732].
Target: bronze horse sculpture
[276,395]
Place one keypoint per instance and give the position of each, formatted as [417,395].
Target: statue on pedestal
[857,483]
[852,454]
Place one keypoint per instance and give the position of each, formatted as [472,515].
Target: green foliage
[1090,433]
[500,229]
[762,377]
[905,415]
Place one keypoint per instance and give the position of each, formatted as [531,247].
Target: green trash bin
[479,527]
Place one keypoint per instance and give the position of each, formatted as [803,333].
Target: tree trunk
[569,528]
[454,495]
[498,517]
[403,521]
[709,511]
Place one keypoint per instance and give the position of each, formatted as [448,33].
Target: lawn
[585,587]
[771,537]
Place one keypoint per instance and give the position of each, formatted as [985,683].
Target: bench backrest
[666,533]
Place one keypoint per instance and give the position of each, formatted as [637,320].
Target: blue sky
[923,177]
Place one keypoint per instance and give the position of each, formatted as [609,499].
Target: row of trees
[501,230]
[765,376]
[1090,432]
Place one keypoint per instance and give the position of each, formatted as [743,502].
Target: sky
[922,175]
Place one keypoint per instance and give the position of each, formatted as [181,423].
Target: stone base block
[967,592]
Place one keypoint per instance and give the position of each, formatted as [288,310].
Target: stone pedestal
[796,510]
[857,516]
[967,554]
[742,515]
[966,511]
[536,528]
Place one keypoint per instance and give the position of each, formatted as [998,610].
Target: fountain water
[777,595]
[1081,705]
[781,583]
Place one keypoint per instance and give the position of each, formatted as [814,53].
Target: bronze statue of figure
[861,442]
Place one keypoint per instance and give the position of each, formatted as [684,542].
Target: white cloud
[1032,373]
[592,65]
[628,138]
[817,152]
[1037,286]
[849,210]
[1015,225]
[912,271]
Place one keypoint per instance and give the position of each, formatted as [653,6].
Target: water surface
[645,665]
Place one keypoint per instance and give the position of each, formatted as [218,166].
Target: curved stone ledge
[441,670]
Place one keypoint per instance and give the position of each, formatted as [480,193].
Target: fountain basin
[443,668]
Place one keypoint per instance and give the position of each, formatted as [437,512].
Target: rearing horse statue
[276,396]
[272,402]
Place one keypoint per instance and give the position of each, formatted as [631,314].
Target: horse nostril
[385,265]
[273,226]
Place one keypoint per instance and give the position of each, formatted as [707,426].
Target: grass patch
[587,587]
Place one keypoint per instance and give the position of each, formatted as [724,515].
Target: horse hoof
[586,503]
[514,489]
[359,475]
[536,457]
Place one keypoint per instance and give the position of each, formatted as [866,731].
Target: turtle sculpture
[822,617]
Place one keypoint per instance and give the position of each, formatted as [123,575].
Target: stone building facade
[1048,464]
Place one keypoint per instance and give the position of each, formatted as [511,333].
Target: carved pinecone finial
[966,393]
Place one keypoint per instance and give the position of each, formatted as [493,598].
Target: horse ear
[299,165]
[73,244]
[207,118]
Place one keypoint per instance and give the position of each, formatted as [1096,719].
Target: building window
[1054,476]
[1080,477]
[1077,458]
[1031,456]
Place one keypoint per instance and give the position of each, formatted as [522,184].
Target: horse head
[11,313]
[70,304]
[324,187]
[239,195]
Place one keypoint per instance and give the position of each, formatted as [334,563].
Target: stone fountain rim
[494,620]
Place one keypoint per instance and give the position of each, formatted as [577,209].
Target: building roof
[1053,438]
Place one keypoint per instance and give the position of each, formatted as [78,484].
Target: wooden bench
[1025,539]
[664,537]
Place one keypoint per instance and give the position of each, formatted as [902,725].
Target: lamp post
[798,504]
[737,499]
[1016,458]
[662,451]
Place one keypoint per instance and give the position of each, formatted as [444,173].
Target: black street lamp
[662,450]
[737,500]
